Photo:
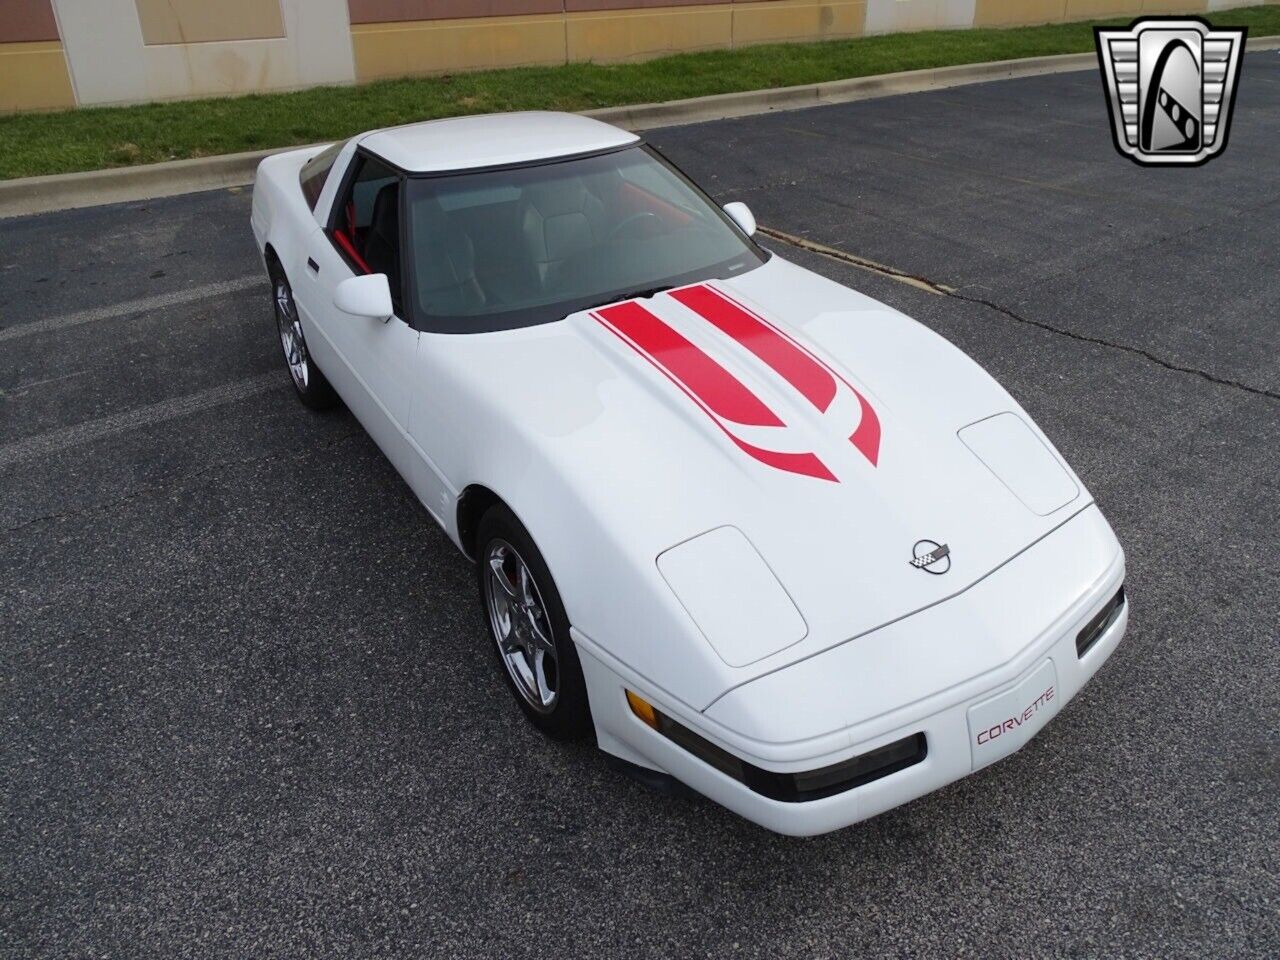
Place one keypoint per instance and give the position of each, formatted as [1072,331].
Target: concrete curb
[93,188]
[750,102]
[127,184]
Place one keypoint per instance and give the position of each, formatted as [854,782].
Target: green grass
[90,139]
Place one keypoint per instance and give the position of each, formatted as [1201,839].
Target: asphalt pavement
[246,704]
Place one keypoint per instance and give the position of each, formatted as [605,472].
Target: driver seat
[445,263]
[560,220]
[382,242]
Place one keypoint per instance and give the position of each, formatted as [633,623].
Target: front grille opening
[807,785]
[1099,625]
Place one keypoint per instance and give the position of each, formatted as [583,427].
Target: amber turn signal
[643,709]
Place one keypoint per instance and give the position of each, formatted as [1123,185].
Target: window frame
[359,158]
[306,174]
[408,310]
[430,324]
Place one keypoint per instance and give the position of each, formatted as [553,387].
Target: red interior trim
[350,249]
[638,199]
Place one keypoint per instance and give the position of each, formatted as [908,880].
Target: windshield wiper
[634,295]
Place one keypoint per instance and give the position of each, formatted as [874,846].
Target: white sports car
[760,534]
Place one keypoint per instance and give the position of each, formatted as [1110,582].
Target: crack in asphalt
[933,286]
[893,273]
[1138,351]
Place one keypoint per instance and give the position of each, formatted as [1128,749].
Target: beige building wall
[1007,13]
[894,16]
[1174,6]
[199,21]
[33,67]
[33,76]
[1091,9]
[57,53]
[123,51]
[613,35]
[409,47]
[607,31]
[773,21]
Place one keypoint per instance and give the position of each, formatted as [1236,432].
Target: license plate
[1002,724]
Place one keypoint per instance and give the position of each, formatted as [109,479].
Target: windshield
[511,248]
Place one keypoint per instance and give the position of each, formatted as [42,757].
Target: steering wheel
[644,216]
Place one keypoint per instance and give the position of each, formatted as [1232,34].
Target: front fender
[608,579]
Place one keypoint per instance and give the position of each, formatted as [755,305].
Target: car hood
[820,427]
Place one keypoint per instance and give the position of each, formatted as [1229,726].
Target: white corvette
[759,533]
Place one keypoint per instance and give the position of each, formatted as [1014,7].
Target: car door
[369,361]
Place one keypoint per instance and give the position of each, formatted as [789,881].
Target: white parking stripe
[146,305]
[43,444]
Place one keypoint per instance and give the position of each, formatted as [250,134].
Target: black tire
[313,389]
[569,717]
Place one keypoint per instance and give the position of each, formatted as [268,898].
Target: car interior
[501,241]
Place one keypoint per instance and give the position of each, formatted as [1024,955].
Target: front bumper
[966,726]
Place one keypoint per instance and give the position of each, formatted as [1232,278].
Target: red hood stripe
[787,360]
[786,357]
[716,391]
[715,386]
[867,437]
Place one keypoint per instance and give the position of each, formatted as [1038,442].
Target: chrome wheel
[521,626]
[295,347]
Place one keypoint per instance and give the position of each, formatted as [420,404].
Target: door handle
[313,266]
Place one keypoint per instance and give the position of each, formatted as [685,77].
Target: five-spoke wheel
[291,339]
[313,389]
[529,628]
[519,623]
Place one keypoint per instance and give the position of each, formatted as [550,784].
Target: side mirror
[366,296]
[741,214]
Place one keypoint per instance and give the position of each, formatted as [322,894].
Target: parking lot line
[53,441]
[145,305]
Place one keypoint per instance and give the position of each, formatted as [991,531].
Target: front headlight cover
[732,596]
[1021,461]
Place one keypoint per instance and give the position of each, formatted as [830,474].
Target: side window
[366,226]
[315,173]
